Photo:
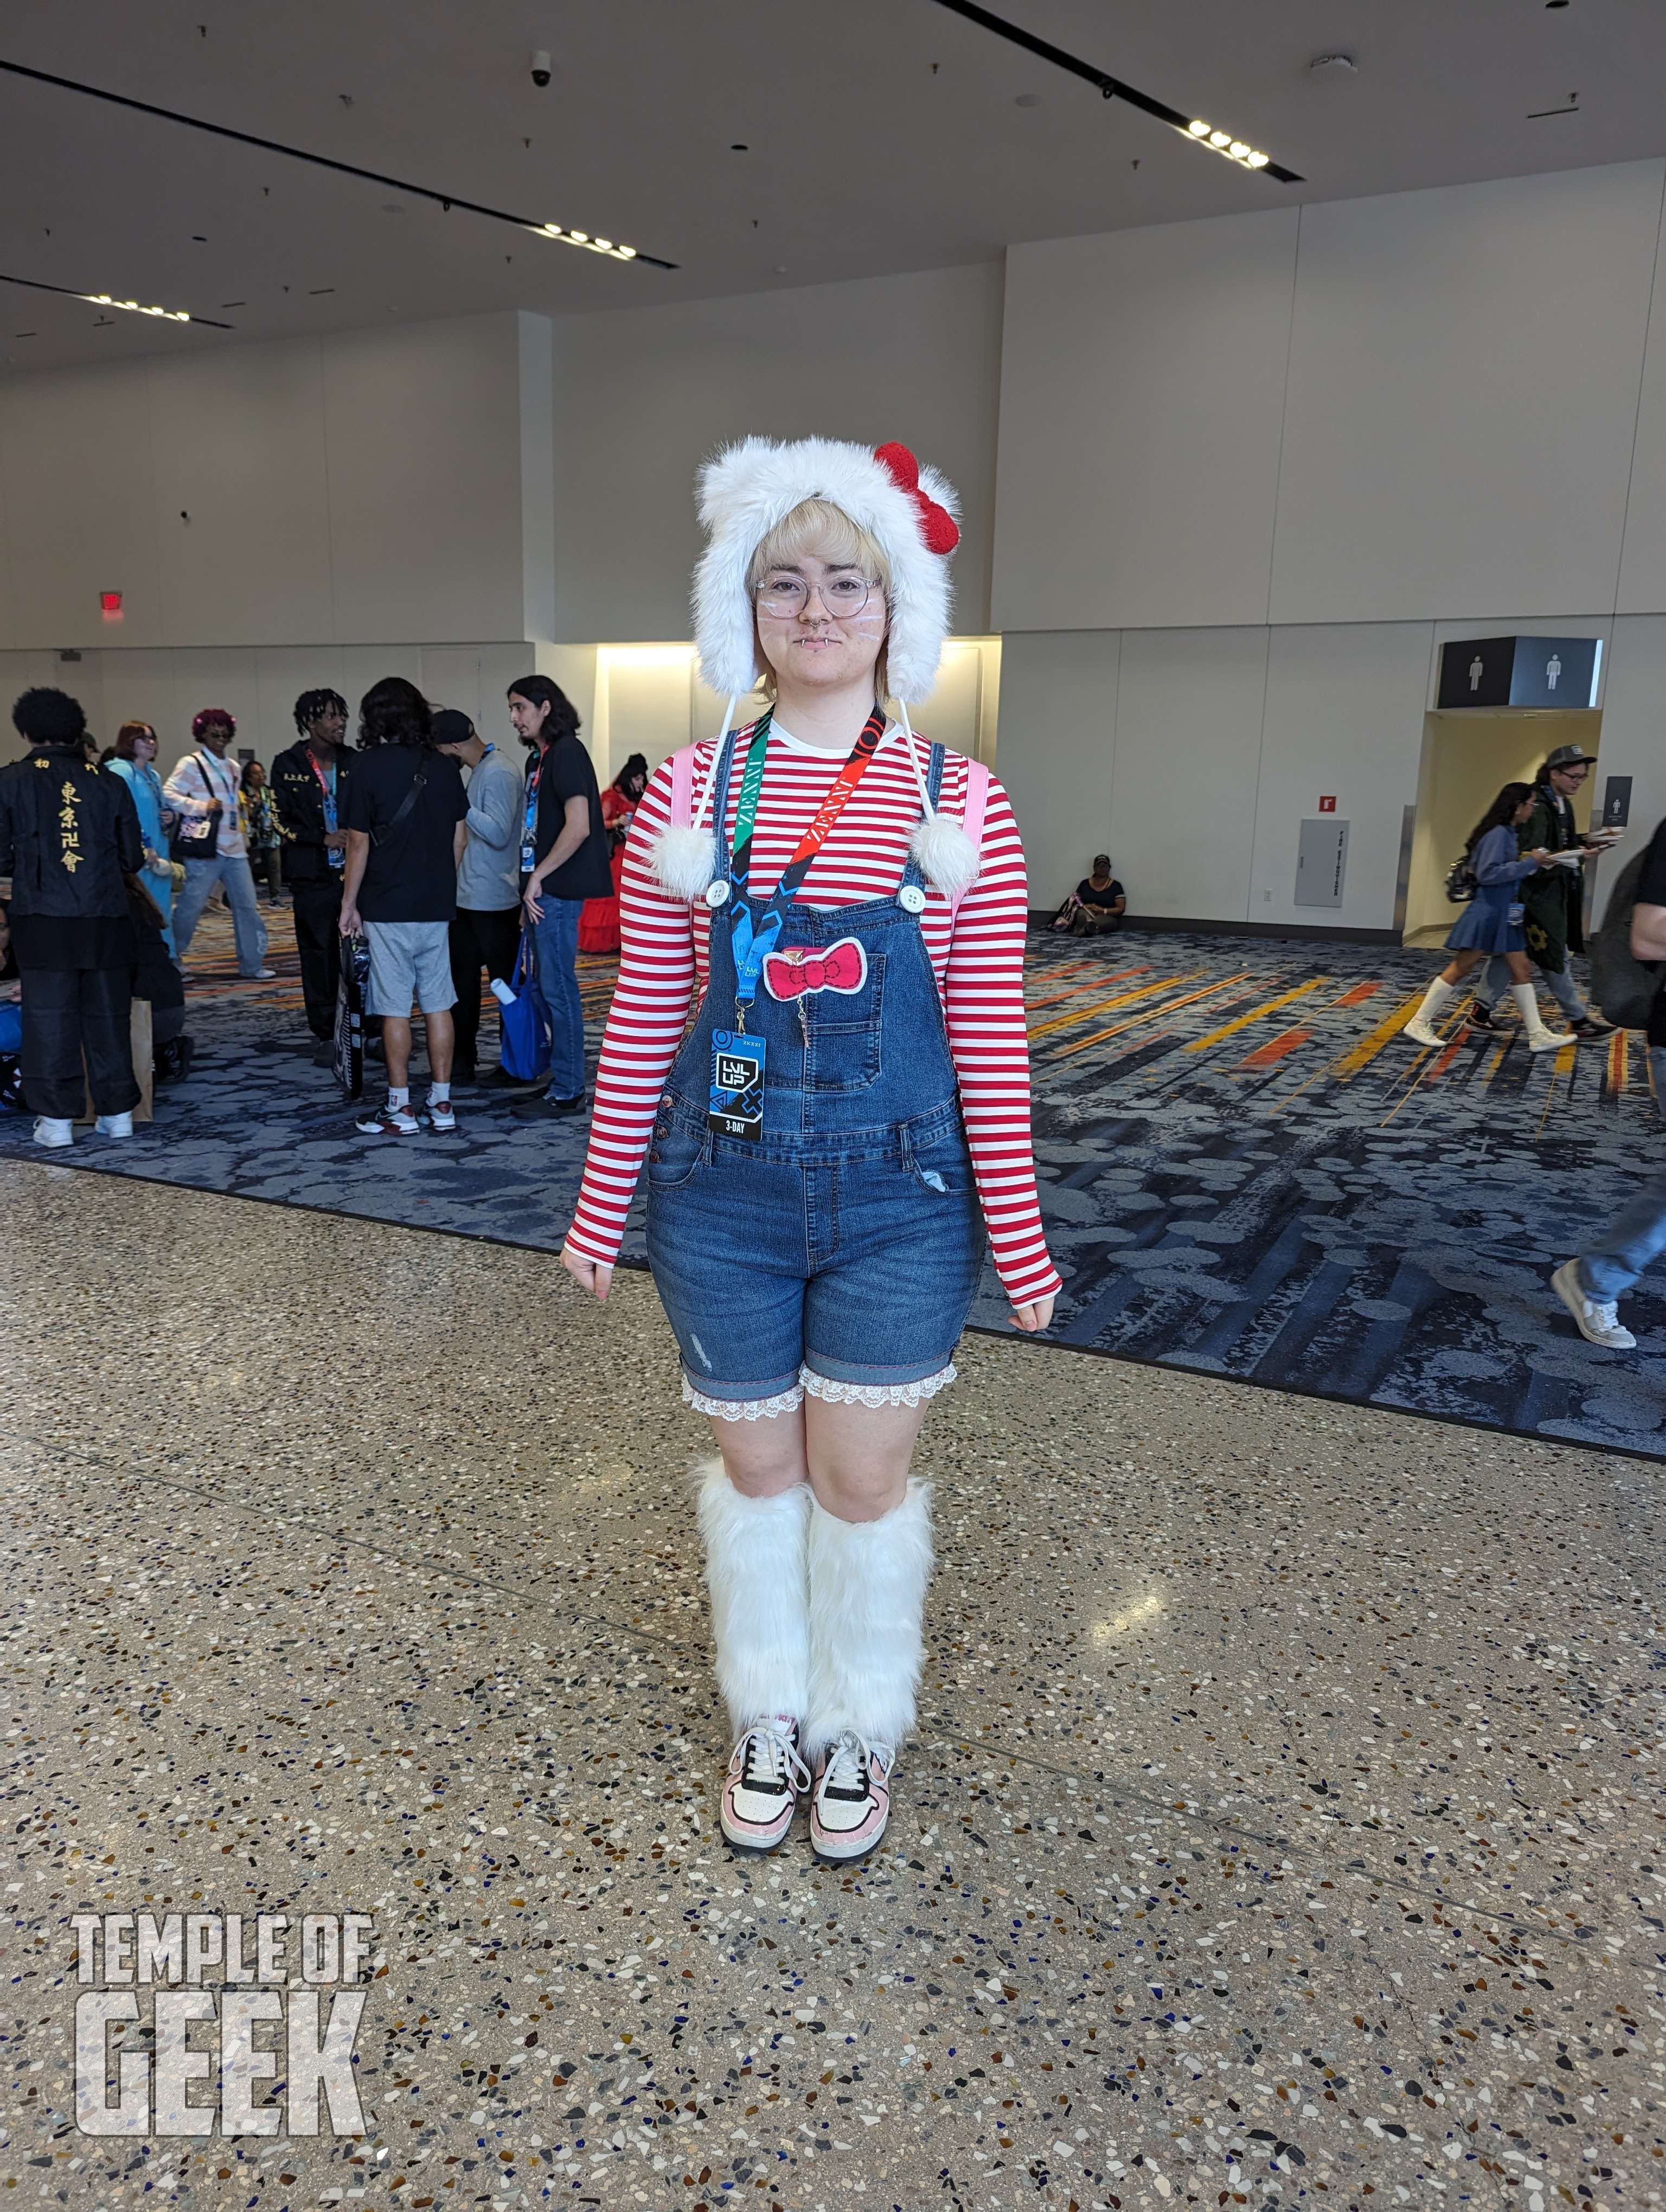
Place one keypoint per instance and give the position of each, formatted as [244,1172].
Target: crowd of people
[444,879]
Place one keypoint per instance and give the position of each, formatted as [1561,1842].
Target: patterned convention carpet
[1245,1168]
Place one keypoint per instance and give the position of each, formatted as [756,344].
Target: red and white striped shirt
[976,956]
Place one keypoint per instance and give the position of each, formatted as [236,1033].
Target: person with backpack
[1553,901]
[1591,1286]
[406,808]
[841,909]
[1491,924]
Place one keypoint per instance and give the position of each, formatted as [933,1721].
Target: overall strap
[933,786]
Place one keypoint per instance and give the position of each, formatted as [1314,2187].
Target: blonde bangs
[816,527]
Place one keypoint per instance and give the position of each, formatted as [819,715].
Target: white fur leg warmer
[867,1603]
[755,1572]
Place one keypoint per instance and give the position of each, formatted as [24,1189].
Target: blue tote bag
[524,1051]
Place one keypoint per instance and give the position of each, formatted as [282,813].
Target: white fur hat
[749,488]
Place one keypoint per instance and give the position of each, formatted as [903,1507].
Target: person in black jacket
[309,789]
[69,835]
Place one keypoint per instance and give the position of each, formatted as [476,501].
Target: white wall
[643,395]
[1142,389]
[1464,372]
[364,486]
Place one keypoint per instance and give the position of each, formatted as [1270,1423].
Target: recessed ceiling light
[1028,100]
[1333,65]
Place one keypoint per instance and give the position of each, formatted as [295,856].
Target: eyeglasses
[783,596]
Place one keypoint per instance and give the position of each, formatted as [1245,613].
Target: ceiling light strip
[1113,87]
[127,306]
[447,200]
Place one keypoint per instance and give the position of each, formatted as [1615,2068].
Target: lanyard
[825,816]
[752,941]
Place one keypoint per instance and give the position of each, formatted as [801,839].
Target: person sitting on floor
[1098,903]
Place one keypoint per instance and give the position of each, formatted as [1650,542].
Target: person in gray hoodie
[487,931]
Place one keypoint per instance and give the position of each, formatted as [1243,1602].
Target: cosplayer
[849,1111]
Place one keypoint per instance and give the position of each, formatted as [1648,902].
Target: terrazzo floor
[1283,1825]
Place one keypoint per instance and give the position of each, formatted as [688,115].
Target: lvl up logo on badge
[220,2003]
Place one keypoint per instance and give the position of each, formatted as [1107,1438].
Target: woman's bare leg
[762,1458]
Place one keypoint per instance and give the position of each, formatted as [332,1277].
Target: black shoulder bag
[380,837]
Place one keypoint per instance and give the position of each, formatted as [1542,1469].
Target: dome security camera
[541,70]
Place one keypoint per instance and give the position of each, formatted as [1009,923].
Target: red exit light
[110,605]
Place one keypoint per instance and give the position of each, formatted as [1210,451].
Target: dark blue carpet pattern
[1246,1170]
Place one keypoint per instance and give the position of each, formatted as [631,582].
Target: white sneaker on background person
[1596,1319]
[115,1125]
[53,1133]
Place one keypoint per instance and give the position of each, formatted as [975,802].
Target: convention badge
[736,1093]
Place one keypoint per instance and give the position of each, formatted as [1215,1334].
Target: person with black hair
[69,838]
[310,782]
[1552,902]
[406,808]
[1491,924]
[599,925]
[564,860]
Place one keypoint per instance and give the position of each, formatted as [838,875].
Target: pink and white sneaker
[851,1802]
[761,1790]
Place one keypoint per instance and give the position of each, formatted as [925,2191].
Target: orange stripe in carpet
[1270,1055]
[1358,996]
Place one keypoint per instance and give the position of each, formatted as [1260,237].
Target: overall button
[911,899]
[717,894]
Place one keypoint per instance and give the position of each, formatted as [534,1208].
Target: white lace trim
[743,1409]
[877,1393]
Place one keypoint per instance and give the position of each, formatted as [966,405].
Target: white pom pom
[684,860]
[948,857]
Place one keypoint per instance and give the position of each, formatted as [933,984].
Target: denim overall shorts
[845,1244]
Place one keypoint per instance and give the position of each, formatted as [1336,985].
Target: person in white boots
[849,1111]
[69,838]
[1492,924]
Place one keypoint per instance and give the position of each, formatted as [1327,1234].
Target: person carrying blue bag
[525,1049]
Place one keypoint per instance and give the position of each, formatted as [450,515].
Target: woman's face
[1522,812]
[820,623]
[144,746]
[635,785]
[256,776]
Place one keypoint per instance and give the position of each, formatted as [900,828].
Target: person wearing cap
[203,792]
[846,1118]
[310,780]
[486,931]
[1552,921]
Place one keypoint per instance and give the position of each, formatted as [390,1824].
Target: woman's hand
[590,1273]
[1033,1317]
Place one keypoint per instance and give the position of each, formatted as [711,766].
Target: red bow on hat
[938,527]
[842,967]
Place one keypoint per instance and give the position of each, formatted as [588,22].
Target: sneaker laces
[849,1758]
[769,1761]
